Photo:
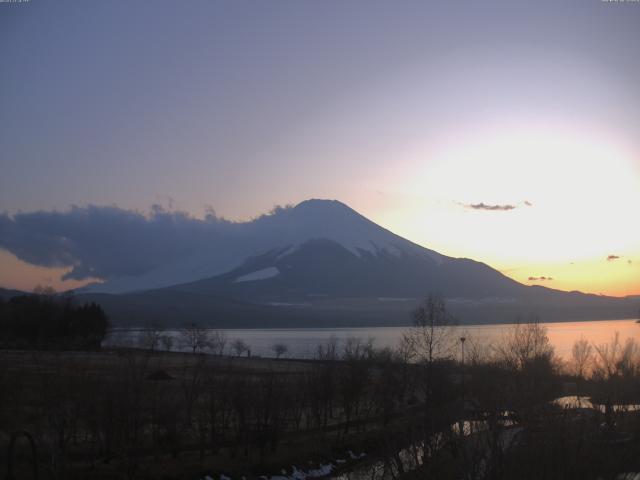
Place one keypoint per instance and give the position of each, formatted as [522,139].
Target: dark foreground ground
[137,414]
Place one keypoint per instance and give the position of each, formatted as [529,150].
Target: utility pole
[461,423]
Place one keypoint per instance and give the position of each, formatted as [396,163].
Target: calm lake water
[303,342]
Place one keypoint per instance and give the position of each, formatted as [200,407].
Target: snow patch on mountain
[263,274]
[194,267]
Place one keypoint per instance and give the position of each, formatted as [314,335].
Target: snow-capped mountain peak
[286,229]
[335,221]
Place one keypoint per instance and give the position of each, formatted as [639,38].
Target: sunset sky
[507,132]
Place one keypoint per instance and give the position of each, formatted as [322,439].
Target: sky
[507,132]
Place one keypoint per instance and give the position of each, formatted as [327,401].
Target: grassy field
[138,414]
[159,404]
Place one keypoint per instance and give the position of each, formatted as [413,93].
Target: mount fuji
[285,231]
[320,263]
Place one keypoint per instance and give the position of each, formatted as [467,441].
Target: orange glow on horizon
[531,202]
[549,202]
[19,275]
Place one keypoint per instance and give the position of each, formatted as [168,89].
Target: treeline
[44,321]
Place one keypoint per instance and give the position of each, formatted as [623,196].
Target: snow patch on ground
[356,457]
[321,471]
[263,274]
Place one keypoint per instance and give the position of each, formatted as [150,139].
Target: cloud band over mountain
[166,247]
[105,242]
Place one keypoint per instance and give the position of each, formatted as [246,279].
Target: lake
[303,342]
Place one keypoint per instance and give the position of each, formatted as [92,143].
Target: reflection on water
[405,460]
[303,342]
[572,401]
[412,457]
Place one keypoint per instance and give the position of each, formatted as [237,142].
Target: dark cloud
[110,242]
[528,203]
[106,242]
[484,206]
[540,279]
[611,258]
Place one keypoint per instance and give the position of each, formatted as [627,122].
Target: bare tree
[581,358]
[328,351]
[526,343]
[353,378]
[431,336]
[629,363]
[279,349]
[239,346]
[167,342]
[217,342]
[607,358]
[615,360]
[476,351]
[357,349]
[195,337]
[149,338]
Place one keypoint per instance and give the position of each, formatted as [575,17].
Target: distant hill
[6,293]
[323,264]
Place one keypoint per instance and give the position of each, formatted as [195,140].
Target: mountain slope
[324,268]
[286,229]
[322,264]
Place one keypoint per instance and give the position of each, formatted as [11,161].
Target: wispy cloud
[540,279]
[484,206]
[612,258]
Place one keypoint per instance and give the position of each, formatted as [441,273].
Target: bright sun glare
[572,193]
